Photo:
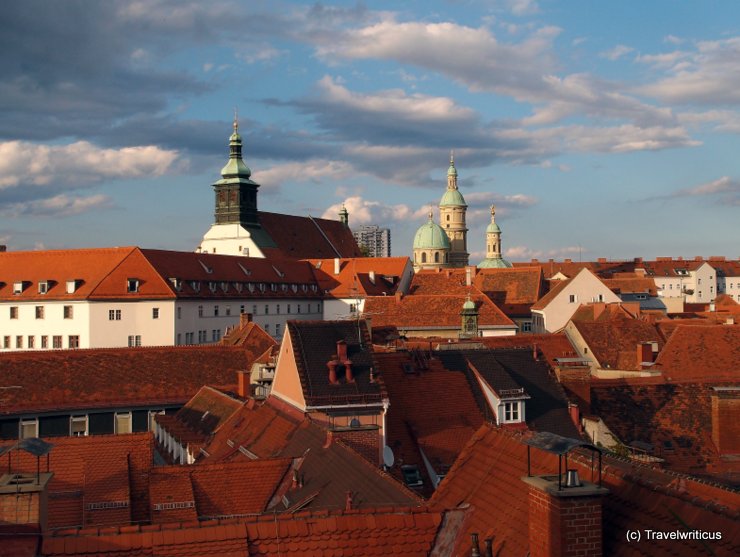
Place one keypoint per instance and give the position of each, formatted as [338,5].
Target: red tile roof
[514,290]
[354,278]
[106,378]
[555,289]
[250,337]
[401,532]
[94,470]
[215,490]
[309,237]
[329,470]
[625,285]
[436,282]
[701,354]
[432,312]
[551,346]
[614,342]
[421,415]
[488,473]
[675,419]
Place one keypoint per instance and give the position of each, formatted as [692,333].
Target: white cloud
[365,211]
[314,171]
[617,52]
[58,206]
[79,164]
[525,252]
[523,7]
[709,75]
[722,191]
[672,39]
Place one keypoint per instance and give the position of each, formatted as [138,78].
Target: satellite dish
[388,458]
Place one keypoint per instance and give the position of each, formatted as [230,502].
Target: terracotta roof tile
[309,237]
[105,378]
[354,278]
[555,289]
[432,311]
[701,354]
[551,346]
[95,469]
[614,343]
[315,343]
[488,475]
[513,290]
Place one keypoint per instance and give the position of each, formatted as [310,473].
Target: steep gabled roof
[543,302]
[432,311]
[701,354]
[614,342]
[97,469]
[309,237]
[355,278]
[315,343]
[436,282]
[514,290]
[488,473]
[115,377]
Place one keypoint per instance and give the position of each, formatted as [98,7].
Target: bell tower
[236,193]
[452,212]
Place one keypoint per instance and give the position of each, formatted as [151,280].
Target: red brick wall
[726,423]
[564,526]
[364,441]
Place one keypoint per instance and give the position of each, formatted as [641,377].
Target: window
[73,341]
[123,422]
[189,337]
[44,342]
[179,313]
[299,308]
[152,421]
[78,426]
[179,339]
[29,428]
[155,313]
[600,298]
[699,281]
[527,326]
[228,310]
[134,340]
[215,311]
[352,308]
[277,329]
[267,309]
[132,285]
[423,257]
[200,311]
[6,341]
[31,341]
[572,298]
[71,286]
[436,257]
[114,315]
[511,411]
[39,312]
[17,288]
[43,287]
[56,341]
[68,312]
[288,309]
[214,335]
[19,341]
[14,312]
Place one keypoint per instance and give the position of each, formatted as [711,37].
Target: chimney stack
[337,265]
[468,277]
[575,416]
[644,353]
[244,318]
[341,350]
[332,365]
[243,384]
[348,501]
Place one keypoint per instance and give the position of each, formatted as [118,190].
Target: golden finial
[452,156]
[236,119]
[493,211]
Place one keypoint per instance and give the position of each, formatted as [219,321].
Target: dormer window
[176,284]
[195,285]
[224,286]
[72,286]
[212,286]
[512,412]
[18,287]
[43,287]
[132,285]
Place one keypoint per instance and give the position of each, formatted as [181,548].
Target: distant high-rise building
[375,240]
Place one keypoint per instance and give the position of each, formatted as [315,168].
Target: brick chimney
[341,350]
[332,365]
[244,318]
[243,383]
[24,500]
[644,353]
[575,416]
[565,522]
[726,419]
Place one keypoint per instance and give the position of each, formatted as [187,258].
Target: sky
[598,129]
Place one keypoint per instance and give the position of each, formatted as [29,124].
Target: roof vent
[206,268]
[244,270]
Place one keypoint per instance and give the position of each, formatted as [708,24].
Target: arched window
[414,257]
[448,217]
[423,257]
[436,257]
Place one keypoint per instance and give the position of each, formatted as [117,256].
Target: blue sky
[599,129]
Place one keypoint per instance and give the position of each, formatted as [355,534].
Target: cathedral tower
[493,259]
[452,210]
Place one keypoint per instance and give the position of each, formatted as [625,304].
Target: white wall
[52,323]
[229,239]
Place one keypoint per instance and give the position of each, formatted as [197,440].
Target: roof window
[19,287]
[72,285]
[44,286]
[176,284]
[212,285]
[412,476]
[195,285]
[132,285]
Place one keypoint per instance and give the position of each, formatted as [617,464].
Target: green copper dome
[452,198]
[431,236]
[452,171]
[494,263]
[493,227]
[469,304]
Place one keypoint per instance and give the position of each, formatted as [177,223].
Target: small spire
[431,215]
[236,119]
[493,212]
[452,156]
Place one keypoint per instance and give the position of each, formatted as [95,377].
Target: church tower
[236,193]
[493,259]
[452,210]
